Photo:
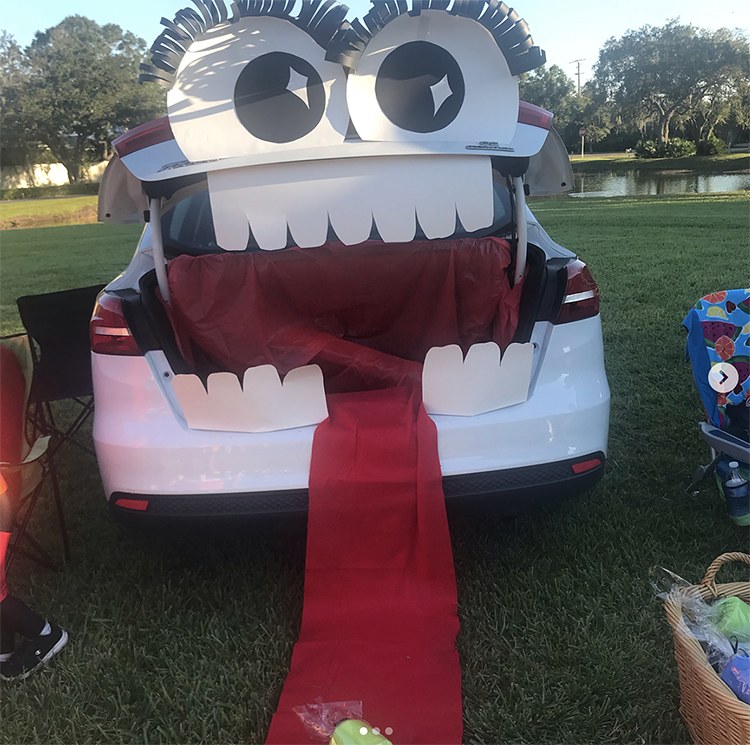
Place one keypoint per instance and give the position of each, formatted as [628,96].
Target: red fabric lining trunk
[366,314]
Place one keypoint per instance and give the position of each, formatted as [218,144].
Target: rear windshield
[188,227]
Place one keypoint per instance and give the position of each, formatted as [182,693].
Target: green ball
[732,617]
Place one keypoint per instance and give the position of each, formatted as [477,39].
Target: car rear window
[188,227]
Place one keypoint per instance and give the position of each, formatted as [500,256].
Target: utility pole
[578,74]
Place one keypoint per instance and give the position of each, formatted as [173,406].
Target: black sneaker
[33,653]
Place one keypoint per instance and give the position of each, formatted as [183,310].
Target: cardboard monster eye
[433,77]
[253,84]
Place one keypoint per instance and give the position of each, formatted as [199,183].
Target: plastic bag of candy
[338,723]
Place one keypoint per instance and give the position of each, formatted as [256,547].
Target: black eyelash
[344,42]
[323,20]
[510,32]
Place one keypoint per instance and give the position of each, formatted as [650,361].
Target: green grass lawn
[187,639]
[49,259]
[58,206]
[715,164]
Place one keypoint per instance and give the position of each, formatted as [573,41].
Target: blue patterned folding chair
[718,347]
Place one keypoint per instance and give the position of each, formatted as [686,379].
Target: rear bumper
[512,490]
[145,447]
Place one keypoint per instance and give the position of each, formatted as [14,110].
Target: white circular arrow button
[723,377]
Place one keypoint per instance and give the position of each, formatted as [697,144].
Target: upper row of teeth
[392,193]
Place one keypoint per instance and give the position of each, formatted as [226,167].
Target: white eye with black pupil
[433,77]
[420,87]
[279,97]
[254,87]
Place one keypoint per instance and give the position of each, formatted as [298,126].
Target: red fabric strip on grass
[379,622]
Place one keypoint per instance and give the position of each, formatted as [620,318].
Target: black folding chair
[35,467]
[58,326]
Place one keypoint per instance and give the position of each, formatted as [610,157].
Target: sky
[566,31]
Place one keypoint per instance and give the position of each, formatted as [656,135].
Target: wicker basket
[714,715]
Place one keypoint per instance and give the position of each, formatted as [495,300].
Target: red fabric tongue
[379,622]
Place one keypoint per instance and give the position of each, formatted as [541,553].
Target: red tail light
[529,113]
[108,330]
[581,298]
[150,133]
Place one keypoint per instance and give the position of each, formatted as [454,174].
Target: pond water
[610,184]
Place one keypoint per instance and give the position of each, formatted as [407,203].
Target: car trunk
[366,315]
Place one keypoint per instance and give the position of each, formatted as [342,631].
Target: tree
[17,146]
[661,74]
[735,127]
[548,87]
[591,114]
[11,59]
[79,90]
[728,98]
[553,90]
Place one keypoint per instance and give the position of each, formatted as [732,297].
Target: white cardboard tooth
[515,372]
[308,223]
[225,395]
[474,201]
[262,404]
[436,211]
[351,219]
[395,218]
[199,411]
[390,193]
[304,394]
[231,227]
[264,395]
[482,382]
[240,202]
[463,185]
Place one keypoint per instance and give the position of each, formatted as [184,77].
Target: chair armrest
[723,442]
[38,449]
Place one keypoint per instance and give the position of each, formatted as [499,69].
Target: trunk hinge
[521,228]
[157,245]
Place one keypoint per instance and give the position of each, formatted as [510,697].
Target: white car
[153,464]
[170,450]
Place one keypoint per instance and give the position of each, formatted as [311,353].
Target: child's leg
[7,635]
[7,642]
[15,615]
[43,640]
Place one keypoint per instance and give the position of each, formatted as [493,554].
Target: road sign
[581,132]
